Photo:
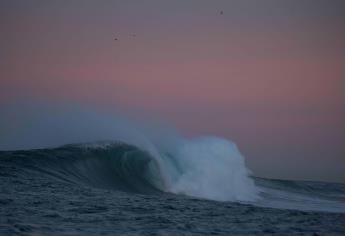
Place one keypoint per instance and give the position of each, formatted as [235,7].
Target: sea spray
[212,168]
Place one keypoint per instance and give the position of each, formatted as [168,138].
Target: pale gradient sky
[269,75]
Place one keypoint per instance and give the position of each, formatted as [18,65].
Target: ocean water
[200,188]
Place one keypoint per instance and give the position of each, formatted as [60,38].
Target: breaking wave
[146,160]
[208,167]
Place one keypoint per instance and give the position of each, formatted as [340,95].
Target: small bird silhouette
[115,39]
[221,12]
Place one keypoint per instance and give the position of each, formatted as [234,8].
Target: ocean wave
[207,167]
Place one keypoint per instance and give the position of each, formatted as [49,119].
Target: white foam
[212,168]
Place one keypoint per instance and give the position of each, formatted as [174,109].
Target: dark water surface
[38,199]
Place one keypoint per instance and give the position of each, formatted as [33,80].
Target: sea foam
[212,168]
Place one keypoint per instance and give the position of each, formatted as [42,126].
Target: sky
[268,75]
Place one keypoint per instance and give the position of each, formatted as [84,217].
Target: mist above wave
[205,167]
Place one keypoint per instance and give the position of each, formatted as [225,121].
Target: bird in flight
[221,12]
[131,35]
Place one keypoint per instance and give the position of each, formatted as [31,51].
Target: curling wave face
[108,165]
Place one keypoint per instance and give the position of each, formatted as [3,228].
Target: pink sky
[269,75]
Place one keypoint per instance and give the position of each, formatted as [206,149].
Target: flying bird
[221,12]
